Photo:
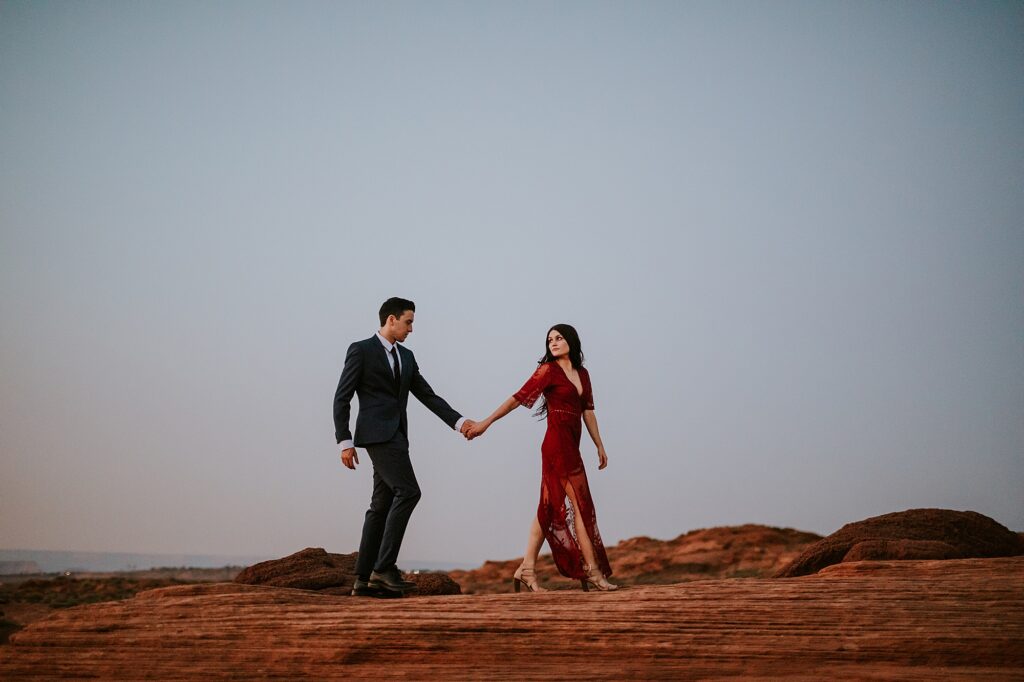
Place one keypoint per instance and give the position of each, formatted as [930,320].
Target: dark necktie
[397,368]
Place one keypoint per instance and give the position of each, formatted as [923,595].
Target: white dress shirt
[346,444]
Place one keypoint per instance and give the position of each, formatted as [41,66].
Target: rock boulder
[317,569]
[911,534]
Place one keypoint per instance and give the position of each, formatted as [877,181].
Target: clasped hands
[471,429]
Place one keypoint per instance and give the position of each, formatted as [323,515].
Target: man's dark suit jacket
[368,374]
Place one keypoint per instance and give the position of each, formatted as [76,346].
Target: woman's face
[557,344]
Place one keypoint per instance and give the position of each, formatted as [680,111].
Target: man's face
[401,327]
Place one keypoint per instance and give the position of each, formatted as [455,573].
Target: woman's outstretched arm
[590,419]
[481,426]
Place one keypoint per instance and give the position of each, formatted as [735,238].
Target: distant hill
[19,567]
[20,561]
[47,561]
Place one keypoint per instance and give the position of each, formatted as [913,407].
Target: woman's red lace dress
[563,475]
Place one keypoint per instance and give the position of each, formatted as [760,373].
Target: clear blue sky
[789,233]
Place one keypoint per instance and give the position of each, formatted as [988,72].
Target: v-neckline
[579,393]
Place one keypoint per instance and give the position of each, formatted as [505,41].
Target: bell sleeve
[534,386]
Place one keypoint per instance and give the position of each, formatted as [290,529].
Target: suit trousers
[395,494]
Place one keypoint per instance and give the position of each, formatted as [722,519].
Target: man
[383,374]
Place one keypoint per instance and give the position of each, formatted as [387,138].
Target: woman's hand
[476,429]
[602,458]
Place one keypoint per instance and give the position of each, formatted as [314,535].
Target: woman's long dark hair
[571,337]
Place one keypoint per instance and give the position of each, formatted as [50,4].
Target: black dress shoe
[391,579]
[361,588]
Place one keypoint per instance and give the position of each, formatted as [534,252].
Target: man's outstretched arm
[435,403]
[343,404]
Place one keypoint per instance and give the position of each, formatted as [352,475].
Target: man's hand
[476,430]
[466,426]
[349,458]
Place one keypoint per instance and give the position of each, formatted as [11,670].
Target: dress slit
[557,514]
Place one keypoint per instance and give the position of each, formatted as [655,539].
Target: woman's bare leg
[533,543]
[525,574]
[586,546]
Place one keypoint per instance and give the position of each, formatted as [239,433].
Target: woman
[565,516]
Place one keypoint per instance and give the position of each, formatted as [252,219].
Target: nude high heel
[525,576]
[596,579]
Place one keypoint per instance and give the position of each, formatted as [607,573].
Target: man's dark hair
[395,306]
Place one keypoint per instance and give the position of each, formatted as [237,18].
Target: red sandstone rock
[310,569]
[920,620]
[433,583]
[880,550]
[911,534]
[734,551]
[316,569]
